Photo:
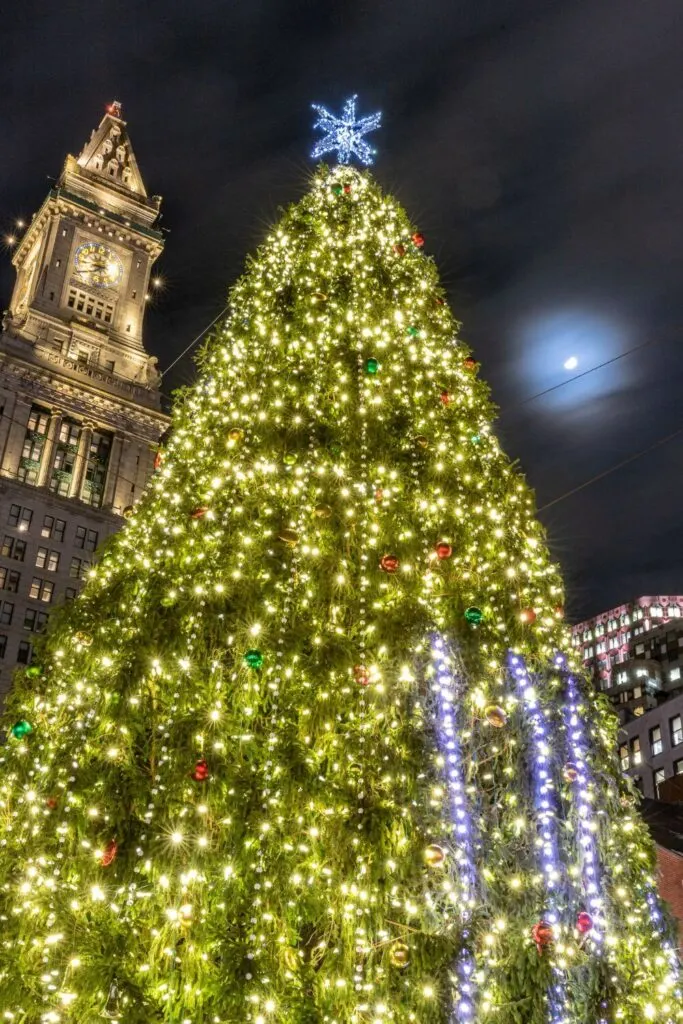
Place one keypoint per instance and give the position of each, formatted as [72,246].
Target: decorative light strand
[546,816]
[577,749]
[448,694]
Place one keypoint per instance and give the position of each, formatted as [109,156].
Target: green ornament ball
[474,616]
[21,728]
[337,189]
[253,658]
[371,366]
[33,671]
[289,459]
[413,331]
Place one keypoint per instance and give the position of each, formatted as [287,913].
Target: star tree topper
[345,133]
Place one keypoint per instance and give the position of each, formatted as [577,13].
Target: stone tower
[80,409]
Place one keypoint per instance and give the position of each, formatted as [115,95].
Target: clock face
[97,265]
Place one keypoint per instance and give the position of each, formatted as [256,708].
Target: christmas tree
[307,747]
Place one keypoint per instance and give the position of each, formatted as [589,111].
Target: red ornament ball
[109,855]
[570,772]
[52,803]
[559,611]
[584,922]
[527,616]
[389,563]
[379,494]
[158,459]
[443,550]
[542,934]
[469,363]
[445,397]
[199,512]
[347,189]
[399,249]
[418,239]
[361,675]
[201,771]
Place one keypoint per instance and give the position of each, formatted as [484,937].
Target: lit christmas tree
[305,749]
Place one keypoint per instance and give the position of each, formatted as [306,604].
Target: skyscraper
[80,409]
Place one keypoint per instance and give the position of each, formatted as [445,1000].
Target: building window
[35,621]
[14,548]
[78,568]
[676,724]
[6,613]
[86,539]
[34,444]
[638,783]
[109,365]
[658,778]
[678,765]
[624,757]
[656,612]
[637,692]
[3,645]
[622,677]
[65,458]
[20,517]
[656,745]
[70,593]
[24,653]
[588,653]
[41,590]
[91,305]
[9,580]
[53,528]
[46,559]
[674,674]
[673,611]
[638,710]
[636,755]
[96,469]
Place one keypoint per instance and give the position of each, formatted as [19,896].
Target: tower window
[97,308]
[128,327]
[52,296]
[134,295]
[58,263]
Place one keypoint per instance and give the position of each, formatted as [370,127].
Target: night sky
[538,146]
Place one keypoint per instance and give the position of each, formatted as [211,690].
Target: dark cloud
[536,144]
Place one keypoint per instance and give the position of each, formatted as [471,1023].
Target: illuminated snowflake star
[345,133]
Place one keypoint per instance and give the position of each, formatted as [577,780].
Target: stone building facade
[80,408]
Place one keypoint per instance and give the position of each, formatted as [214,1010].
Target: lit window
[659,778]
[676,730]
[624,758]
[674,674]
[636,755]
[656,745]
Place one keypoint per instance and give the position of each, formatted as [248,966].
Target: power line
[612,469]
[578,376]
[195,340]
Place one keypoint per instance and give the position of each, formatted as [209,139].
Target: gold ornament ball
[495,716]
[84,639]
[289,537]
[400,954]
[435,855]
[322,511]
[236,434]
[422,441]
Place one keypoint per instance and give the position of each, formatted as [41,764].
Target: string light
[272,754]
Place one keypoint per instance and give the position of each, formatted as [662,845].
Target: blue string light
[345,134]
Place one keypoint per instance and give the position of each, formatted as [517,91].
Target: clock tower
[83,265]
[80,408]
